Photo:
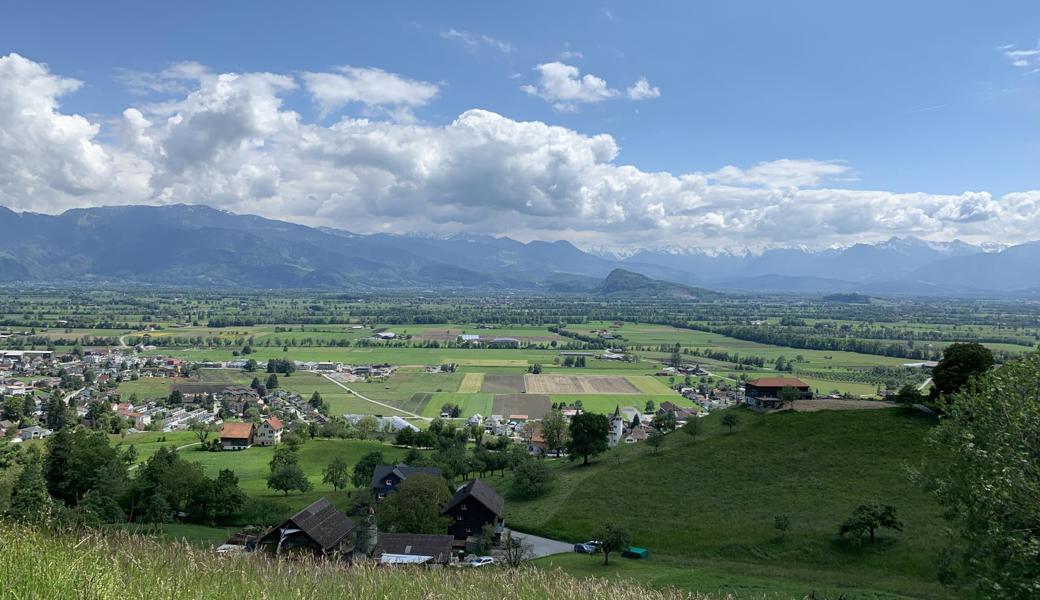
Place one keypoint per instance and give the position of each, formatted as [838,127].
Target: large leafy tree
[960,363]
[78,461]
[415,506]
[613,538]
[554,430]
[987,474]
[337,473]
[365,467]
[288,477]
[588,434]
[868,518]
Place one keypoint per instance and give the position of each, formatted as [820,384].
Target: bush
[532,479]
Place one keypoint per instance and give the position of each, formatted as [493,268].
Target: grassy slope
[43,565]
[711,501]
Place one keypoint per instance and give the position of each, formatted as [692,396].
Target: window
[389,482]
[463,506]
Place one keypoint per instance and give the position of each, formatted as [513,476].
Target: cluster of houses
[323,530]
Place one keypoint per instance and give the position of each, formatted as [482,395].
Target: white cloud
[474,41]
[642,90]
[230,142]
[376,89]
[565,87]
[1021,58]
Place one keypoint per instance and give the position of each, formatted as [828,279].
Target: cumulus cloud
[642,90]
[376,89]
[231,142]
[475,41]
[565,87]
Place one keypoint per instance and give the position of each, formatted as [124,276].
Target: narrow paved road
[393,408]
[543,546]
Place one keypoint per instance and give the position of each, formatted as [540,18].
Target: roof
[402,471]
[481,492]
[236,431]
[414,544]
[778,382]
[274,422]
[322,522]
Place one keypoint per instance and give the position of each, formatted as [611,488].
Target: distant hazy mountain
[184,245]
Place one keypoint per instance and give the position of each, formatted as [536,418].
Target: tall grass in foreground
[39,564]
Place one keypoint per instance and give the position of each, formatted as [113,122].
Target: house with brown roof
[765,392]
[236,436]
[319,529]
[270,432]
[413,549]
[474,507]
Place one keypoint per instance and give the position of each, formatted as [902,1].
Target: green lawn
[711,501]
[146,388]
[196,535]
[606,403]
[253,465]
[470,404]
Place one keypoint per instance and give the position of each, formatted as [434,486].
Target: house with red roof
[765,392]
[236,436]
[270,432]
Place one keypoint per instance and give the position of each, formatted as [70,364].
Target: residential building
[765,392]
[413,548]
[270,432]
[236,436]
[320,529]
[386,477]
[474,507]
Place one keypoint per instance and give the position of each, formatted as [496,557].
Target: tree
[650,406]
[692,427]
[202,430]
[788,395]
[251,365]
[57,412]
[366,426]
[272,381]
[130,455]
[664,422]
[516,550]
[337,473]
[984,473]
[286,478]
[909,395]
[960,363]
[613,538]
[588,433]
[867,518]
[365,468]
[30,502]
[531,479]
[175,398]
[554,431]
[731,420]
[315,400]
[13,408]
[283,456]
[415,506]
[781,523]
[655,440]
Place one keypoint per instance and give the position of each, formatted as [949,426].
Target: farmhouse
[319,529]
[765,392]
[413,548]
[473,507]
[385,478]
[270,432]
[385,335]
[236,436]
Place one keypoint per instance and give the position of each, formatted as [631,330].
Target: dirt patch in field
[578,384]
[439,335]
[503,384]
[828,404]
[535,406]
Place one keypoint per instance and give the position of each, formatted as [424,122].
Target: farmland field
[605,403]
[572,384]
[471,383]
[535,406]
[503,384]
[469,404]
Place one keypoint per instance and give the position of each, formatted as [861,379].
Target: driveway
[543,546]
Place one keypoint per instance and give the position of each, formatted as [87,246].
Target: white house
[269,433]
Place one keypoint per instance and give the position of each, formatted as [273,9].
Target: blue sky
[907,97]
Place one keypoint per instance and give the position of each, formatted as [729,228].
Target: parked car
[589,547]
[480,561]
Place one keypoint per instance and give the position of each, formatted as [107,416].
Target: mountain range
[194,245]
